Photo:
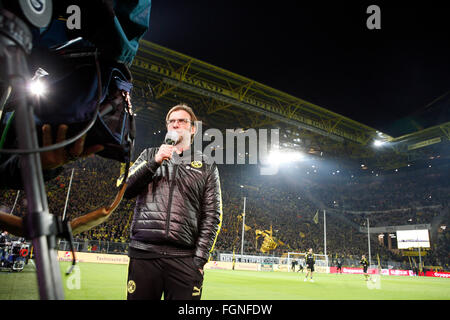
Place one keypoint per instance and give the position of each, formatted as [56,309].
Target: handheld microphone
[171,138]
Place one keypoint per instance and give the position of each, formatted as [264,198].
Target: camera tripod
[39,225]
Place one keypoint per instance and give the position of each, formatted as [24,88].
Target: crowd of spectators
[285,204]
[289,202]
[93,186]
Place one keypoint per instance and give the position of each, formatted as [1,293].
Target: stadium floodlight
[378,143]
[285,156]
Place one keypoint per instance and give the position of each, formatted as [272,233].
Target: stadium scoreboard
[413,239]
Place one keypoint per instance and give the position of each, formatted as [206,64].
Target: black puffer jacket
[178,206]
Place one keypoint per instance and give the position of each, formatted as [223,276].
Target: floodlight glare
[285,156]
[378,143]
[37,87]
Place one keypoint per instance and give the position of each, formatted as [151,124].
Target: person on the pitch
[365,265]
[293,264]
[177,217]
[339,265]
[300,267]
[310,261]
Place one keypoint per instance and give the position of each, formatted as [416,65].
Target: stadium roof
[225,100]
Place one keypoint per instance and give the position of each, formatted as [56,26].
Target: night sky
[322,52]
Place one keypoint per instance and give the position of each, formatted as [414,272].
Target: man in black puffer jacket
[177,217]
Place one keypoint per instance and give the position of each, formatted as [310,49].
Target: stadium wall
[384,272]
[123,259]
[229,266]
[221,265]
[396,272]
[438,274]
[353,270]
[93,257]
[225,265]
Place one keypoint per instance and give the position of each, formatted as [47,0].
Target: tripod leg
[15,43]
[49,276]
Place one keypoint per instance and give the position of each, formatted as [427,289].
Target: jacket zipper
[172,185]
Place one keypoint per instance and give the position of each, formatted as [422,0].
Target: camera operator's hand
[14,224]
[164,153]
[98,216]
[59,157]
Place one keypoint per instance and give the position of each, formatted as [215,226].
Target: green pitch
[108,282]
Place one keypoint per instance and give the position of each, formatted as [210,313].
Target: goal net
[321,261]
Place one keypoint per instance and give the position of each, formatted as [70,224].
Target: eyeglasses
[172,122]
